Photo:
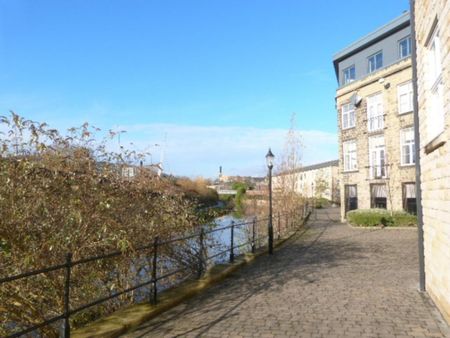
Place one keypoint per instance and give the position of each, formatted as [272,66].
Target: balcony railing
[378,171]
[375,123]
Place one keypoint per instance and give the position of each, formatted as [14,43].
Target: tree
[287,196]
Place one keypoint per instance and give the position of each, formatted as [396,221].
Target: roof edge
[387,29]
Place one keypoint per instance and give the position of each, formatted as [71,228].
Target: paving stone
[334,281]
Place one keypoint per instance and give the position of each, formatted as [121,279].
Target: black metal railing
[256,239]
[378,171]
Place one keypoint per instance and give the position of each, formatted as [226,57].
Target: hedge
[380,217]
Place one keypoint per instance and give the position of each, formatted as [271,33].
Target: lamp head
[269,159]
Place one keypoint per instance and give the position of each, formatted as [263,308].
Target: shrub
[64,193]
[376,217]
[322,202]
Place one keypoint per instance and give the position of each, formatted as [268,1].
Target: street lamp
[269,160]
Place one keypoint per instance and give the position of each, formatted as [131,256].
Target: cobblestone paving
[332,281]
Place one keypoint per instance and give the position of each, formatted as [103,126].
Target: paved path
[333,281]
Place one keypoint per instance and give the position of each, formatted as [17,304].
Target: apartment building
[374,103]
[317,180]
[432,36]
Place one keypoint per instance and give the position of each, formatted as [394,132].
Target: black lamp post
[269,160]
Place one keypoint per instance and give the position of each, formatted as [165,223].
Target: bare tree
[287,193]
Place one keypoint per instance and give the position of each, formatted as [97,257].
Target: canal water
[220,240]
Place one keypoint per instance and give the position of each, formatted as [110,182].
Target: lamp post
[269,160]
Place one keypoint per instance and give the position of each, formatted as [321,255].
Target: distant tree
[321,186]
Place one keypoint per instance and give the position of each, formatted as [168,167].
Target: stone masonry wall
[305,181]
[435,156]
[393,75]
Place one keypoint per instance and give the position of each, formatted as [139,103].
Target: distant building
[432,26]
[318,180]
[129,171]
[374,103]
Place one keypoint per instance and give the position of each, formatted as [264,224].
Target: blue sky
[220,78]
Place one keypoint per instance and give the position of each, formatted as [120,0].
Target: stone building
[317,180]
[374,102]
[432,36]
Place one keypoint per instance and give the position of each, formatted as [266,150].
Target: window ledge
[407,165]
[350,171]
[375,132]
[406,112]
[435,143]
[348,128]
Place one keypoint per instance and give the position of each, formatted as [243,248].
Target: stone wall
[304,182]
[435,155]
[391,77]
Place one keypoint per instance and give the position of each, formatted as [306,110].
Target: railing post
[67,295]
[200,253]
[253,235]
[154,291]
[232,243]
[279,226]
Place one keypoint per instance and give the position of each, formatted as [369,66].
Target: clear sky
[220,78]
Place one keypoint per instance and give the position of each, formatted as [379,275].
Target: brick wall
[435,155]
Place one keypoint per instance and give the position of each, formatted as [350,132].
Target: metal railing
[375,123]
[378,171]
[255,241]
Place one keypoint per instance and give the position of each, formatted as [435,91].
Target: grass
[380,217]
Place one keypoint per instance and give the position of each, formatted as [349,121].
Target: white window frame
[377,157]
[405,90]
[374,57]
[375,112]
[408,42]
[349,151]
[435,115]
[345,79]
[128,172]
[407,143]
[348,116]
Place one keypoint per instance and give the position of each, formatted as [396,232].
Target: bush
[64,193]
[322,202]
[377,217]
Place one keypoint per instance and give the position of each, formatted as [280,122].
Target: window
[407,150]
[377,157]
[128,172]
[375,119]
[405,97]
[350,159]
[375,62]
[404,47]
[378,196]
[435,108]
[351,198]
[348,116]
[349,74]
[409,198]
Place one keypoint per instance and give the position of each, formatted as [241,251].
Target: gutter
[420,243]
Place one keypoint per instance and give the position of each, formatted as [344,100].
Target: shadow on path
[328,279]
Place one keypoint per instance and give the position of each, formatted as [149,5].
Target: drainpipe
[417,150]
